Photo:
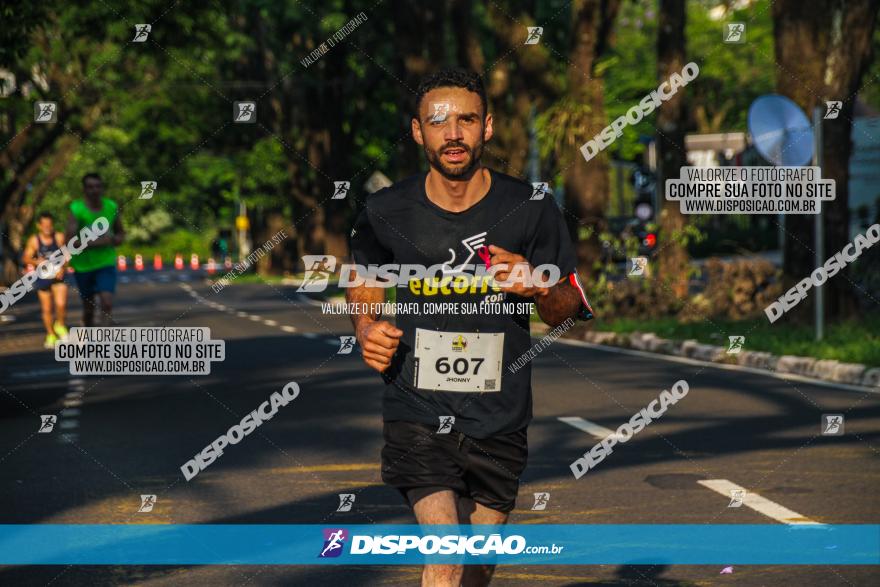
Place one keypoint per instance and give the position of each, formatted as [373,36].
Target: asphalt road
[120,437]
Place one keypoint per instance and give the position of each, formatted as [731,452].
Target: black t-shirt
[399,224]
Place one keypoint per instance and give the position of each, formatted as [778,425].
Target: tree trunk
[671,121]
[822,50]
[468,50]
[420,32]
[586,183]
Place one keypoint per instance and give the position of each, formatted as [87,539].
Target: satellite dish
[781,131]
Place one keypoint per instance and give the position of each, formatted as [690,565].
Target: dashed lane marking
[760,504]
[592,428]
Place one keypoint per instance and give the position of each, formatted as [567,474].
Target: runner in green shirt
[95,267]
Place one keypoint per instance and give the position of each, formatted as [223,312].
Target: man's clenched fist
[378,342]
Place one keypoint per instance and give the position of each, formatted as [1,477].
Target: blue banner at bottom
[531,544]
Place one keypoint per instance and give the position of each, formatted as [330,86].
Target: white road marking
[40,373]
[760,504]
[72,399]
[254,318]
[270,323]
[288,328]
[241,314]
[596,430]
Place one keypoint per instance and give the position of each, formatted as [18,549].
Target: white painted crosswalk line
[760,504]
[596,430]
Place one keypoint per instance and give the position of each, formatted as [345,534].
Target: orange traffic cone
[227,263]
[157,262]
[178,261]
[212,266]
[121,263]
[138,263]
[194,262]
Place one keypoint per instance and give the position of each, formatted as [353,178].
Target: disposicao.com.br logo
[449,544]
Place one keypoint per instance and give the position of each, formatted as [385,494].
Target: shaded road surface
[120,437]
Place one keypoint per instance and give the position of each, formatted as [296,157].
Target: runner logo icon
[141,32]
[346,501]
[734,32]
[47,424]
[539,190]
[832,424]
[244,112]
[346,345]
[736,498]
[334,540]
[832,109]
[318,271]
[541,501]
[340,190]
[148,188]
[638,265]
[147,503]
[446,423]
[736,344]
[441,111]
[45,112]
[535,33]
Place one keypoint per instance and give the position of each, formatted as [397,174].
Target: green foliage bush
[169,244]
[735,290]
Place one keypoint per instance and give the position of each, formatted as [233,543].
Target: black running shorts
[416,457]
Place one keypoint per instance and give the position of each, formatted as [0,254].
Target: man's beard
[463,172]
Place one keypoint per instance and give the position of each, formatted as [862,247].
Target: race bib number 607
[458,361]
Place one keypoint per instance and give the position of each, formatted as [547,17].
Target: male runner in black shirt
[459,215]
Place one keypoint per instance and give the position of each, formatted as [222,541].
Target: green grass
[250,278]
[850,342]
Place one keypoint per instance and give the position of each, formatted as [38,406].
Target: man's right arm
[29,257]
[378,338]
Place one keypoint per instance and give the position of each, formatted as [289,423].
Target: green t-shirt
[94,257]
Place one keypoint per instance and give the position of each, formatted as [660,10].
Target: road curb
[822,369]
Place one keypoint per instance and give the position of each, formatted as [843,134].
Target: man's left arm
[555,303]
